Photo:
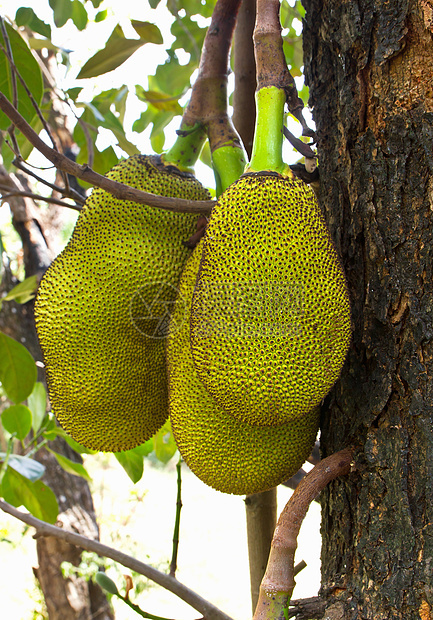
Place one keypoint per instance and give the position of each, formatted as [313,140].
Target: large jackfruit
[270,319]
[102,309]
[230,455]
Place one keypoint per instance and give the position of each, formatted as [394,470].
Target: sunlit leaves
[39,499]
[79,15]
[189,36]
[116,51]
[26,16]
[29,468]
[37,403]
[30,72]
[164,443]
[17,369]
[72,467]
[147,31]
[62,10]
[17,420]
[22,292]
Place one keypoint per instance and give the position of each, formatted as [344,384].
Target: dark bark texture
[369,66]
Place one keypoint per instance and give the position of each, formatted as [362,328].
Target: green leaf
[29,468]
[106,583]
[30,72]
[189,36]
[172,77]
[116,51]
[17,419]
[79,15]
[150,33]
[96,3]
[22,292]
[26,16]
[39,499]
[77,469]
[99,17]
[164,443]
[154,3]
[161,101]
[37,403]
[17,369]
[74,445]
[74,92]
[132,463]
[62,10]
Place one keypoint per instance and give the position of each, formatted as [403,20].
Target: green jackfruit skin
[270,319]
[227,454]
[101,309]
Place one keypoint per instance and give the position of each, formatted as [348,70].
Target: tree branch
[278,583]
[209,611]
[119,190]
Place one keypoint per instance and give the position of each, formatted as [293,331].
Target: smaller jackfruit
[270,317]
[102,309]
[227,454]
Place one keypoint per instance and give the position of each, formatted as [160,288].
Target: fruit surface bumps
[270,319]
[227,454]
[102,309]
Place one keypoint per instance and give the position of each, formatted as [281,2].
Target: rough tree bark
[369,66]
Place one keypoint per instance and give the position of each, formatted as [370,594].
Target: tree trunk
[369,66]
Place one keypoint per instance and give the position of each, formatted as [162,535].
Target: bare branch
[209,611]
[23,194]
[278,582]
[119,190]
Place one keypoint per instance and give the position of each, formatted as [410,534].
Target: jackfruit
[270,318]
[227,454]
[102,309]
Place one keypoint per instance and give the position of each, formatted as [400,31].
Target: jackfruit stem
[268,137]
[186,149]
[228,163]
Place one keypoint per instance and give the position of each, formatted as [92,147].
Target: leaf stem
[173,563]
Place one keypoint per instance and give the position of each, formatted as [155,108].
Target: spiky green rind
[270,319]
[229,455]
[102,310]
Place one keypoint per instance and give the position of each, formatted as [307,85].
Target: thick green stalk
[228,163]
[268,136]
[186,149]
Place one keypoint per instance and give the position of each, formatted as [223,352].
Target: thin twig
[302,148]
[54,201]
[173,563]
[209,611]
[71,193]
[120,190]
[278,583]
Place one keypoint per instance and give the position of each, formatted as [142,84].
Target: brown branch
[208,103]
[209,611]
[271,63]
[244,104]
[54,201]
[71,193]
[119,190]
[278,582]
